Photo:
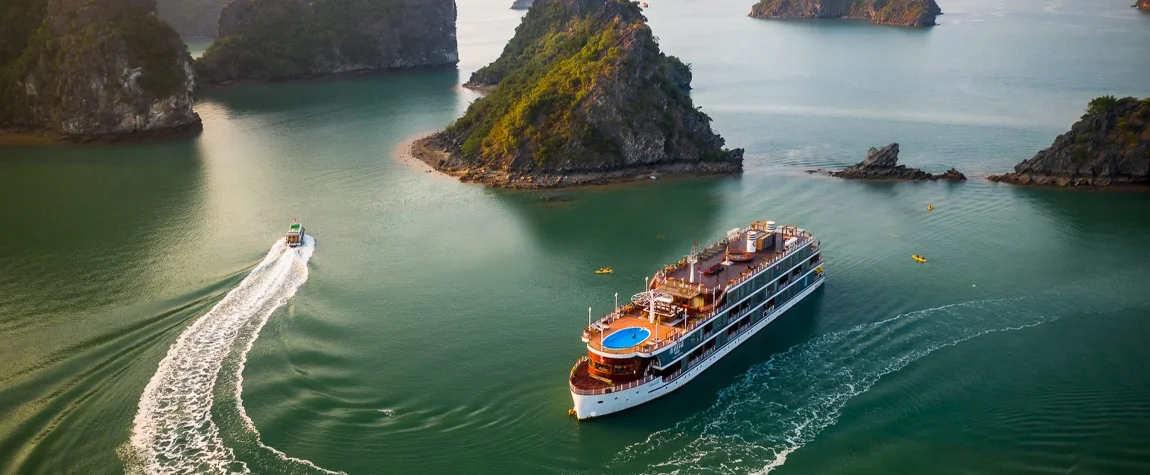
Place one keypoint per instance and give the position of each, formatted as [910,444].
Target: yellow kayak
[918,258]
[605,270]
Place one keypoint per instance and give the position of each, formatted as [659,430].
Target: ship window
[601,367]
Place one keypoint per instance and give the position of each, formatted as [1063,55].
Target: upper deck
[693,290]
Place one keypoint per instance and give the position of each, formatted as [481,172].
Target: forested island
[581,94]
[92,70]
[292,39]
[913,13]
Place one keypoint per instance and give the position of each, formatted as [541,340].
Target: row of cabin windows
[770,274]
[754,301]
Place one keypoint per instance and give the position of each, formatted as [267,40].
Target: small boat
[295,235]
[918,258]
[929,207]
[604,270]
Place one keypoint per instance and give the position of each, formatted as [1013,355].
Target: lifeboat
[918,258]
[295,235]
[605,270]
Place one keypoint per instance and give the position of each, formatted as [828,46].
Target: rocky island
[293,39]
[581,95]
[1109,145]
[882,164]
[92,70]
[914,13]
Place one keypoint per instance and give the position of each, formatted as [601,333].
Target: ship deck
[663,333]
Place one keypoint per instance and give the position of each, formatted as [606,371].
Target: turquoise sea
[433,327]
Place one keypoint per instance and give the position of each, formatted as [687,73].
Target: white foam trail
[783,404]
[173,431]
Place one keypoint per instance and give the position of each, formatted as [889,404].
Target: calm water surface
[438,320]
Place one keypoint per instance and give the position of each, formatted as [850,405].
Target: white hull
[597,405]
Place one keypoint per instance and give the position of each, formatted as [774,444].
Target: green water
[438,320]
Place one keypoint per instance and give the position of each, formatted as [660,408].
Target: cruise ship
[691,314]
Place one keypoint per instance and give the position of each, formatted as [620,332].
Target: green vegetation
[59,57]
[19,21]
[578,77]
[1099,105]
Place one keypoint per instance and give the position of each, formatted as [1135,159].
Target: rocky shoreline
[881,164]
[438,158]
[906,13]
[1108,146]
[44,137]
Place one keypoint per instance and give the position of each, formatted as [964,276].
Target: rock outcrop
[915,13]
[581,94]
[522,4]
[882,164]
[192,18]
[92,69]
[292,39]
[1109,145]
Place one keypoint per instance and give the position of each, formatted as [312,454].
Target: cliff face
[87,68]
[1110,145]
[192,18]
[882,164]
[915,13]
[286,39]
[582,90]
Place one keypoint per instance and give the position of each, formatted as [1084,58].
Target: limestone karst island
[582,94]
[503,237]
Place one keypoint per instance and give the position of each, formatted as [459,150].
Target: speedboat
[295,235]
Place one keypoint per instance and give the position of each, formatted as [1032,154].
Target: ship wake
[173,431]
[784,403]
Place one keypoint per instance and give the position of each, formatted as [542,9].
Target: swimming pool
[626,338]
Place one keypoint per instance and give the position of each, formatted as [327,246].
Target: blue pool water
[626,338]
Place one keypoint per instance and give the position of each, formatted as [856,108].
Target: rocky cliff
[1109,145]
[92,69]
[582,94]
[288,39]
[915,13]
[882,164]
[525,4]
[192,18]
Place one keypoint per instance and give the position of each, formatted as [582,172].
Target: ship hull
[590,406]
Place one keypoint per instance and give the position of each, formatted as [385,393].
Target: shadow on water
[363,92]
[632,227]
[104,231]
[1105,212]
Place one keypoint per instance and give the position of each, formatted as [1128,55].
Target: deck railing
[619,312]
[607,390]
[714,312]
